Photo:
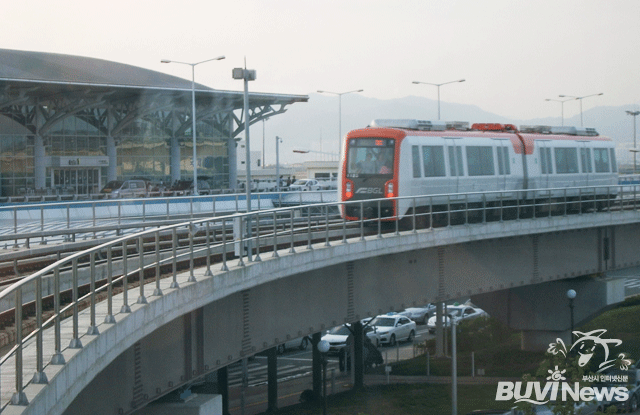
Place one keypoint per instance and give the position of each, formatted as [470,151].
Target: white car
[420,314]
[391,328]
[305,184]
[337,338]
[457,312]
[300,343]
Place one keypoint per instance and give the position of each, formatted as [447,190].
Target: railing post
[361,221]
[309,228]
[42,240]
[192,233]
[109,319]
[241,253]
[224,245]
[75,342]
[275,236]
[257,257]
[292,250]
[208,272]
[326,225]
[93,328]
[141,298]
[125,279]
[39,377]
[19,397]
[413,215]
[344,223]
[174,254]
[379,219]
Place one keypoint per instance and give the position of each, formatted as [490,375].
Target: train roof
[427,125]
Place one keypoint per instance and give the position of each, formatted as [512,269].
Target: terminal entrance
[80,181]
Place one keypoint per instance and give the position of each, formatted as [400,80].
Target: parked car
[301,343]
[337,338]
[457,312]
[186,186]
[420,314]
[633,386]
[305,184]
[125,188]
[391,328]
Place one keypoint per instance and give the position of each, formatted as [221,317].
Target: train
[402,158]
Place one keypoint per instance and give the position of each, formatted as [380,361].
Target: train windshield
[370,156]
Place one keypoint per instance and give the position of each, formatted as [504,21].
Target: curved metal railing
[244,237]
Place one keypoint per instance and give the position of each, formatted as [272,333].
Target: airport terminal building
[70,124]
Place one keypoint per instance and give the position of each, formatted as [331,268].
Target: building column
[40,169]
[175,160]
[112,153]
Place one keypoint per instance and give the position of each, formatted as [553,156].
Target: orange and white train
[397,158]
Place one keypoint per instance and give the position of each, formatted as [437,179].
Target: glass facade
[143,151]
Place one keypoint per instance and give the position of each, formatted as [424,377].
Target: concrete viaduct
[519,271]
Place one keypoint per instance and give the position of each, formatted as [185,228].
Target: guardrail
[245,237]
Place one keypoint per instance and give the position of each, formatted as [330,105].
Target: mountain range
[314,125]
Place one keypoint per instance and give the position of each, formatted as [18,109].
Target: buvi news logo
[557,389]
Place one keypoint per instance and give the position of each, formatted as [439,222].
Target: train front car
[368,173]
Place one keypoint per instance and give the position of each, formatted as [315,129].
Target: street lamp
[339,94]
[580,99]
[278,141]
[634,114]
[438,86]
[323,348]
[571,294]
[561,101]
[193,113]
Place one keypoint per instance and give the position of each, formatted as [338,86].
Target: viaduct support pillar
[316,365]
[272,379]
[223,389]
[358,355]
[542,311]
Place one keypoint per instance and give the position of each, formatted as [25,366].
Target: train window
[503,160]
[370,156]
[545,160]
[455,161]
[614,165]
[585,160]
[566,160]
[480,161]
[415,154]
[601,159]
[433,161]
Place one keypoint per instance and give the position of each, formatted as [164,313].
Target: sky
[513,54]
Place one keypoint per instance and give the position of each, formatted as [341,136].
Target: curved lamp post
[438,86]
[634,114]
[571,294]
[561,101]
[193,113]
[339,94]
[580,99]
[323,348]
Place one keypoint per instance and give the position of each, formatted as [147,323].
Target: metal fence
[246,238]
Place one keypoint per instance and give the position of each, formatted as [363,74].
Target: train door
[454,154]
[586,165]
[504,166]
[546,164]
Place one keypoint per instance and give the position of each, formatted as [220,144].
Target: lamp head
[571,294]
[323,346]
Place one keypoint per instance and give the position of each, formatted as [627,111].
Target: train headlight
[389,189]
[348,190]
